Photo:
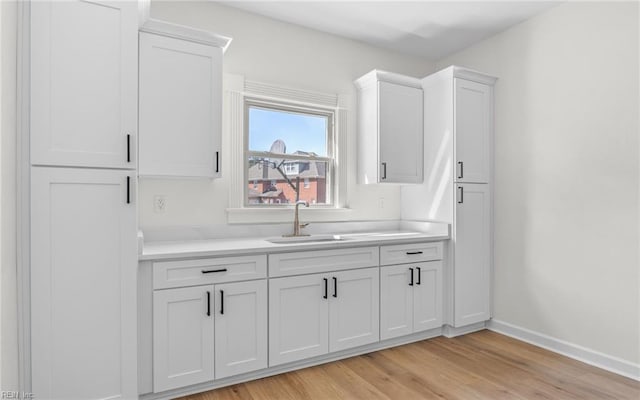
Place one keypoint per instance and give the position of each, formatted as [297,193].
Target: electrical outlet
[159,203]
[381,202]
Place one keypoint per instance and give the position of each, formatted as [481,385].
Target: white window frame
[236,89]
[328,159]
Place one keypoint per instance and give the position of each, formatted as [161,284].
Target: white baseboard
[449,331]
[588,356]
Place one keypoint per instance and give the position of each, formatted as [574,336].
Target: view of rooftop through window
[288,156]
[300,132]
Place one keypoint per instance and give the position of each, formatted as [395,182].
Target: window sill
[285,214]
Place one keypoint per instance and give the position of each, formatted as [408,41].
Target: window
[291,148]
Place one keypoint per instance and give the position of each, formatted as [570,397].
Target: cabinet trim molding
[176,31]
[378,75]
[472,75]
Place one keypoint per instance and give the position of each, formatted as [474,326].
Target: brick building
[268,186]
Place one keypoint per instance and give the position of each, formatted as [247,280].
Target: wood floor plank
[480,366]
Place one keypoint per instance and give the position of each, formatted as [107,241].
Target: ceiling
[428,29]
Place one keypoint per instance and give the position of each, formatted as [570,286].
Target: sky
[298,131]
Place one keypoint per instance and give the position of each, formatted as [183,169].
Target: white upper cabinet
[84,58]
[180,101]
[472,126]
[390,128]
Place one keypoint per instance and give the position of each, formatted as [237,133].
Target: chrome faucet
[296,220]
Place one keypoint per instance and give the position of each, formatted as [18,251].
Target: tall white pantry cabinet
[457,188]
[83,255]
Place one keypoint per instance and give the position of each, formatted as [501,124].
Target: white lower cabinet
[312,315]
[298,318]
[472,254]
[83,294]
[221,317]
[201,329]
[410,298]
[183,329]
[354,309]
[240,327]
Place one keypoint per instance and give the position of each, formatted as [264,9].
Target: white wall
[8,293]
[567,174]
[275,52]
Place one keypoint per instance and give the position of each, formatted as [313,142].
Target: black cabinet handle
[326,284]
[217,161]
[222,302]
[128,190]
[211,271]
[419,275]
[208,303]
[410,253]
[128,148]
[384,170]
[461,165]
[411,282]
[335,287]
[461,199]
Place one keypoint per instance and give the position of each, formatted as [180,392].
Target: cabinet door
[354,308]
[396,301]
[84,69]
[298,318]
[472,254]
[427,296]
[400,133]
[83,277]
[180,107]
[241,327]
[472,126]
[182,337]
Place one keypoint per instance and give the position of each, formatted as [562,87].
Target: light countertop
[240,246]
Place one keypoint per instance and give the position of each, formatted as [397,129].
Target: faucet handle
[304,225]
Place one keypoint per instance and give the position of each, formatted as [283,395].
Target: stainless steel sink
[306,239]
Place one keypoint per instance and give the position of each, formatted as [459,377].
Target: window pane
[287,132]
[281,181]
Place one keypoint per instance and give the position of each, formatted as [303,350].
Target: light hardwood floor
[482,365]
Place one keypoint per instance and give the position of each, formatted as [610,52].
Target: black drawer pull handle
[326,284]
[217,161]
[410,253]
[128,190]
[419,275]
[208,303]
[222,302]
[411,282]
[211,271]
[128,148]
[335,287]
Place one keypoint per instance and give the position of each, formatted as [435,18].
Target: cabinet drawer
[309,262]
[409,253]
[168,274]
